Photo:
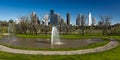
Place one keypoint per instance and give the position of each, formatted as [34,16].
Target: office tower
[51,11]
[62,21]
[17,21]
[45,19]
[78,20]
[89,19]
[58,19]
[34,18]
[54,18]
[51,16]
[38,21]
[68,18]
[94,21]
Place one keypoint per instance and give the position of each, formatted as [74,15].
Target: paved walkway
[110,45]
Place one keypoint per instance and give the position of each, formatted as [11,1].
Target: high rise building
[93,21]
[54,18]
[17,21]
[68,18]
[51,11]
[62,21]
[34,18]
[45,19]
[51,16]
[89,19]
[78,20]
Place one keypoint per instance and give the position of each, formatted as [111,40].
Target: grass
[113,54]
[0,37]
[69,36]
[33,36]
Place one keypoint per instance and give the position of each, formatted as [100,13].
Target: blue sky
[13,9]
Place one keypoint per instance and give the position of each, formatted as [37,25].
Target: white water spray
[55,36]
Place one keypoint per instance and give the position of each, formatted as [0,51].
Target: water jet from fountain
[55,36]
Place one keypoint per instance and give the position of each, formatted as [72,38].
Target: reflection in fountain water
[11,34]
[43,43]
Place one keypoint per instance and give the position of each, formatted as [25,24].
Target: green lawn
[69,36]
[113,54]
[33,36]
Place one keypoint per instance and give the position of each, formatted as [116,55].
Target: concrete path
[110,45]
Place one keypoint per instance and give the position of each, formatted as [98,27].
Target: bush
[115,30]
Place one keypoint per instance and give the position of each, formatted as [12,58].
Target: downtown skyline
[13,9]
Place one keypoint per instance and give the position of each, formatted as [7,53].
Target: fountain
[9,28]
[11,35]
[54,42]
[55,36]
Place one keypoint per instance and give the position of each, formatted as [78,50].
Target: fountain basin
[46,43]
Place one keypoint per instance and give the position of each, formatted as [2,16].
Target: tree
[83,24]
[115,30]
[11,21]
[3,26]
[24,24]
[105,24]
[35,22]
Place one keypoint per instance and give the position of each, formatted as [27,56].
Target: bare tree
[83,24]
[105,24]
[35,22]
[22,26]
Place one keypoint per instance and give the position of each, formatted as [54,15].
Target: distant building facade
[17,21]
[51,16]
[62,22]
[34,19]
[68,18]
[54,18]
[78,20]
[89,19]
[93,21]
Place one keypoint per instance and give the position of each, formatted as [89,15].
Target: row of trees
[31,25]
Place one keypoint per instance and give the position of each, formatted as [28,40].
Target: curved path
[110,45]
